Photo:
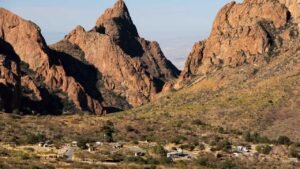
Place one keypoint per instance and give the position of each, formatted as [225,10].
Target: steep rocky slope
[131,67]
[245,76]
[26,40]
[10,82]
[246,33]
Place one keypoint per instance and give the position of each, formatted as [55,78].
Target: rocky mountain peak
[119,10]
[118,25]
[131,67]
[116,21]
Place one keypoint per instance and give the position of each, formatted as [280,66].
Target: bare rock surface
[243,33]
[132,67]
[29,45]
[10,83]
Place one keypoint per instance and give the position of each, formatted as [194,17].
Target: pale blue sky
[175,24]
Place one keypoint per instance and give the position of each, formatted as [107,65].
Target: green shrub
[201,146]
[247,136]
[178,139]
[203,162]
[198,122]
[25,156]
[295,154]
[284,140]
[159,150]
[107,131]
[224,145]
[35,138]
[4,152]
[190,147]
[82,141]
[130,129]
[221,130]
[266,149]
[297,144]
[255,138]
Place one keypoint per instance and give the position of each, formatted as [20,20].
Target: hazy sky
[175,24]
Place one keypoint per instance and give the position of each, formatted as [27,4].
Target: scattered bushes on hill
[255,138]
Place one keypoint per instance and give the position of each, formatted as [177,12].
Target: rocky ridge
[132,67]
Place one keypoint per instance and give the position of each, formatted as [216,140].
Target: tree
[247,136]
[284,140]
[107,131]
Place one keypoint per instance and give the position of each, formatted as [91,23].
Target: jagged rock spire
[118,25]
[120,15]
[119,10]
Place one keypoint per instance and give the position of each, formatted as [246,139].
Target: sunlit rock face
[243,33]
[29,45]
[132,67]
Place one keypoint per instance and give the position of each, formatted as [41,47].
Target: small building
[242,149]
[174,154]
[91,147]
[177,154]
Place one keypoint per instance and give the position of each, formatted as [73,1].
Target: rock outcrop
[131,67]
[10,83]
[245,33]
[294,7]
[29,45]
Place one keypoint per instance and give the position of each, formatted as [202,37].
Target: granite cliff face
[131,67]
[246,33]
[29,45]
